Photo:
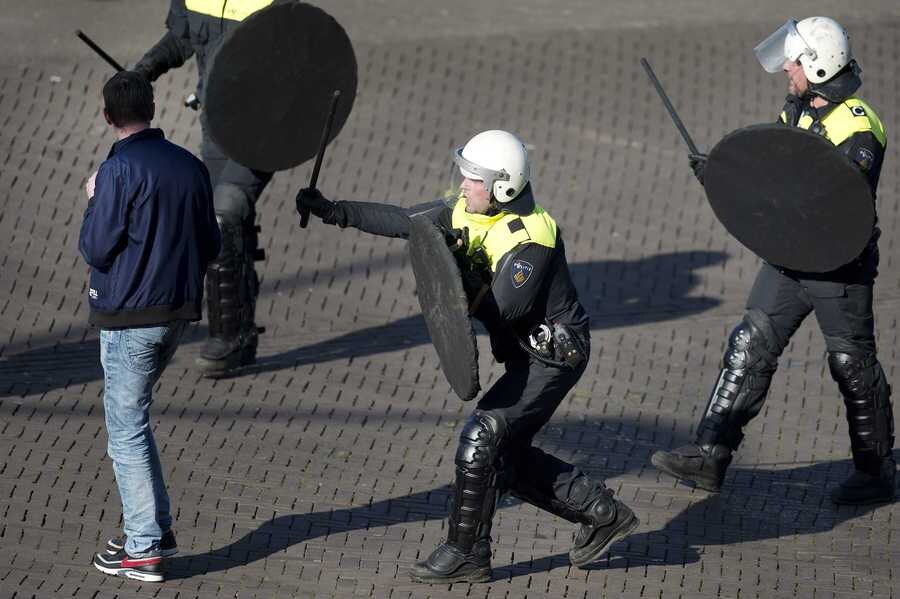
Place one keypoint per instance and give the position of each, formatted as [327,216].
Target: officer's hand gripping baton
[98,50]
[662,94]
[314,178]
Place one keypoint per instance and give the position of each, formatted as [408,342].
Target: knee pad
[854,374]
[480,440]
[236,213]
[753,345]
[232,204]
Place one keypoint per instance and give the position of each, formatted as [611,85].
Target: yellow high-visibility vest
[848,118]
[235,10]
[501,233]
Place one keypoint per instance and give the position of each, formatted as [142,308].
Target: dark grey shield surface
[445,307]
[270,85]
[790,197]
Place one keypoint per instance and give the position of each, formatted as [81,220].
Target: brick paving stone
[323,470]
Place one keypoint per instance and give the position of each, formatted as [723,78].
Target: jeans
[133,360]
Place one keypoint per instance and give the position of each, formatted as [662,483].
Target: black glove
[698,164]
[457,239]
[311,200]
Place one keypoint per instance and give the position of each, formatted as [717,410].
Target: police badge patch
[521,271]
[864,158]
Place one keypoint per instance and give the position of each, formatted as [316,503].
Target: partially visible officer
[197,27]
[823,80]
[516,275]
[149,232]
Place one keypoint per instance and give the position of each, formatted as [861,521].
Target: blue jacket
[148,234]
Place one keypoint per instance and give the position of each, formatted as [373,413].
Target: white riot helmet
[819,43]
[499,159]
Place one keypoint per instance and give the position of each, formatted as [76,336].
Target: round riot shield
[444,307]
[790,197]
[269,87]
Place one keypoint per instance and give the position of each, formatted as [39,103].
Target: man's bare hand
[89,186]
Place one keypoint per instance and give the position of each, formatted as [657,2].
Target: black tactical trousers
[844,313]
[525,398]
[224,171]
[843,310]
[231,283]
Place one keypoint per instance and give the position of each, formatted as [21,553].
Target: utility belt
[555,344]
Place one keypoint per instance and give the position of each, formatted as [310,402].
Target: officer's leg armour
[232,287]
[466,555]
[739,393]
[867,397]
[738,396]
[589,503]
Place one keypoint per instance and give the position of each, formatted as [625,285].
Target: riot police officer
[196,28]
[823,79]
[513,258]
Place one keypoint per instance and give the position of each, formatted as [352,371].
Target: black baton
[98,50]
[662,94]
[304,215]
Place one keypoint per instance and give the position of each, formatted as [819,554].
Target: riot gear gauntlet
[311,199]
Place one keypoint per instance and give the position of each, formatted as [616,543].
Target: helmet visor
[470,170]
[785,44]
[450,183]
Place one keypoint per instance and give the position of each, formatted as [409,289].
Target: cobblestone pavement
[323,471]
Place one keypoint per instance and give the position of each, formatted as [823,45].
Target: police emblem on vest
[521,271]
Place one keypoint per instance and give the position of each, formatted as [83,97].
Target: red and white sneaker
[145,569]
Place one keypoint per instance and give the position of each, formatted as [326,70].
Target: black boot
[223,357]
[231,289]
[448,564]
[863,488]
[704,466]
[605,521]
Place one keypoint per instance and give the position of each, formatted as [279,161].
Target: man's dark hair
[128,99]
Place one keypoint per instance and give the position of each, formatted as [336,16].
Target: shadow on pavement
[756,505]
[615,292]
[283,532]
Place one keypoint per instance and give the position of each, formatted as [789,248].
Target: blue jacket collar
[149,133]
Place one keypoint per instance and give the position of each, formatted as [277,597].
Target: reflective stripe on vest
[850,117]
[501,233]
[235,10]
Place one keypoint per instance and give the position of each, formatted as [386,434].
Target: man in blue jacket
[148,234]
